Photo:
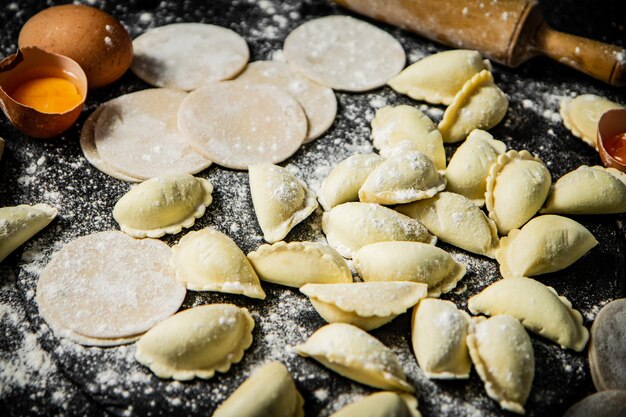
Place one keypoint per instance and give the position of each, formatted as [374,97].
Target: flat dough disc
[88,145]
[601,404]
[607,349]
[344,53]
[138,135]
[188,55]
[317,101]
[236,124]
[108,285]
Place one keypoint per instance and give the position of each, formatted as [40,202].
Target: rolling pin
[506,31]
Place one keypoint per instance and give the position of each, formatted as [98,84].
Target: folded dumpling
[406,128]
[207,260]
[350,226]
[381,404]
[539,308]
[280,200]
[588,190]
[344,181]
[409,261]
[439,77]
[480,104]
[545,244]
[20,223]
[517,186]
[355,354]
[457,221]
[582,114]
[469,166]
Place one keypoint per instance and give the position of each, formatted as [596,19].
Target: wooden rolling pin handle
[600,60]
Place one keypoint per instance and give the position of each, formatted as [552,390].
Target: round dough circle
[607,348]
[344,53]
[601,404]
[236,124]
[108,285]
[138,135]
[317,101]
[88,146]
[188,55]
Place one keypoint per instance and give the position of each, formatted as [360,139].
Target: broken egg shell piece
[163,205]
[30,63]
[612,122]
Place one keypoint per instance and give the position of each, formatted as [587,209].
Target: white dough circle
[108,285]
[138,135]
[344,53]
[188,55]
[237,124]
[317,101]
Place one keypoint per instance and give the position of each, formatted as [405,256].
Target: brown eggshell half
[611,123]
[29,63]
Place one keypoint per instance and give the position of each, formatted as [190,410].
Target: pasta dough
[545,244]
[269,391]
[163,205]
[469,166]
[298,263]
[108,285]
[538,307]
[236,124]
[207,260]
[409,261]
[480,104]
[405,127]
[381,404]
[504,359]
[367,305]
[438,333]
[344,53]
[582,114]
[350,226]
[280,200]
[402,178]
[344,181]
[188,55]
[197,342]
[604,192]
[317,101]
[436,79]
[354,354]
[457,221]
[517,186]
[20,223]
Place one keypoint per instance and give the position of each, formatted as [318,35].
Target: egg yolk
[616,147]
[48,94]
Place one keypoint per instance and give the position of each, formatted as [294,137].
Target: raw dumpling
[344,181]
[504,359]
[582,114]
[402,178]
[409,261]
[469,167]
[367,305]
[588,190]
[163,205]
[407,128]
[353,353]
[269,391]
[545,244]
[297,263]
[20,223]
[457,221]
[438,334]
[480,104]
[197,342]
[280,200]
[439,77]
[537,306]
[207,260]
[381,404]
[517,186]
[350,226]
